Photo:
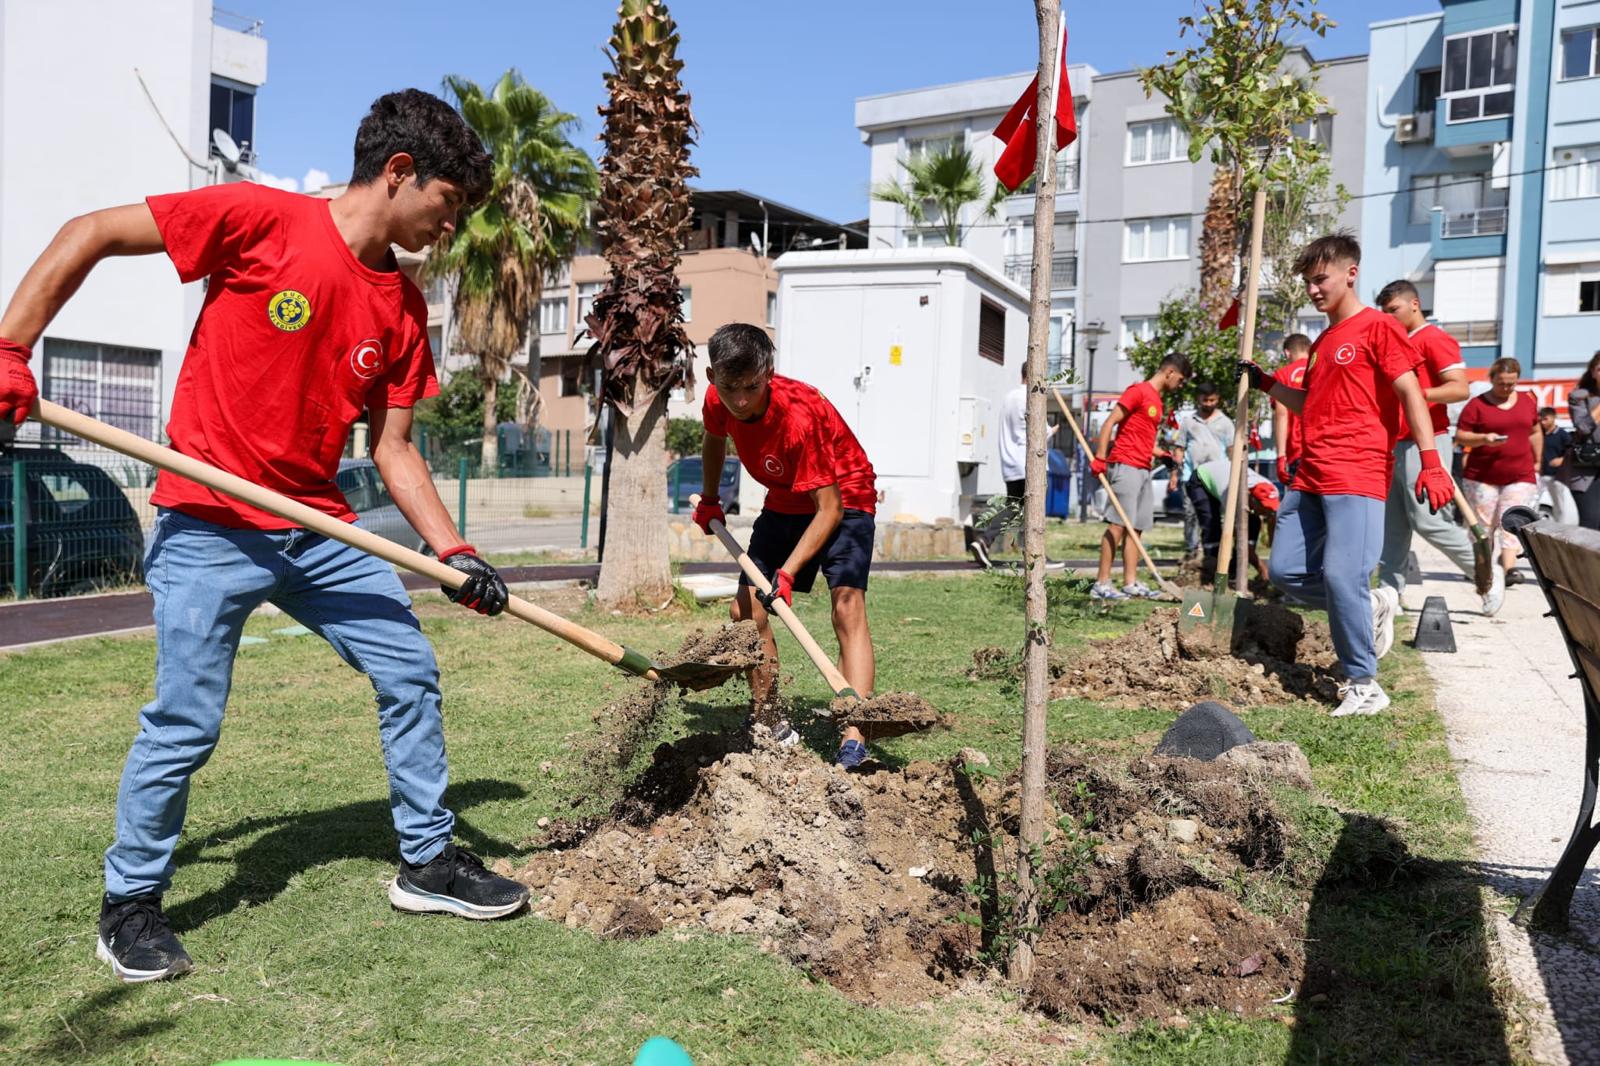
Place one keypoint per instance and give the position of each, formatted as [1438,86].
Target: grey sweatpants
[1403,516]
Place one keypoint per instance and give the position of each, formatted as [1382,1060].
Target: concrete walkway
[1514,718]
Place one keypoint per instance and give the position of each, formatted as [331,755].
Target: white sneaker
[1496,594]
[1385,601]
[1363,698]
[1104,590]
[1139,591]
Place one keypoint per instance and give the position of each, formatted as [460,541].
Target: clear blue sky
[773,84]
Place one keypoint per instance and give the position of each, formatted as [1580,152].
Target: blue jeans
[1322,555]
[206,579]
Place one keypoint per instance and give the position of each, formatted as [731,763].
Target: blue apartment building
[1482,175]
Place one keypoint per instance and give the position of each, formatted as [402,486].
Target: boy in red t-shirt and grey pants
[1126,464]
[821,496]
[1362,372]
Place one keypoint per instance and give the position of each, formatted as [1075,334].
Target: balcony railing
[1473,332]
[1066,179]
[1483,222]
[1063,270]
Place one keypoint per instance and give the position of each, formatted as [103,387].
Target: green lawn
[279,894]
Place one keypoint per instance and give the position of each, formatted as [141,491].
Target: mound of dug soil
[869,880]
[888,714]
[1278,655]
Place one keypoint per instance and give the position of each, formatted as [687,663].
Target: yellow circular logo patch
[289,310]
[1155,412]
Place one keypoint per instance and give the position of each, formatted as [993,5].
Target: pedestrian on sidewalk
[1013,458]
[1500,430]
[307,322]
[1583,458]
[1126,464]
[1553,468]
[1285,423]
[1204,436]
[1443,377]
[1362,372]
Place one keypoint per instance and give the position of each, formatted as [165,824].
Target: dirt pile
[1278,656]
[888,714]
[893,886]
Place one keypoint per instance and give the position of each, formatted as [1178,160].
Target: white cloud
[314,180]
[287,184]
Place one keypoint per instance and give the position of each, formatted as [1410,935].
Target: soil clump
[888,714]
[1278,655]
[892,886]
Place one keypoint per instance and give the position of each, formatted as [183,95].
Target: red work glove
[782,589]
[708,509]
[1097,466]
[18,390]
[1283,469]
[1434,486]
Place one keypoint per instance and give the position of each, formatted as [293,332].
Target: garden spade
[1482,552]
[694,675]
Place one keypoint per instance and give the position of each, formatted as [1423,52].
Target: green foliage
[937,186]
[1185,327]
[684,436]
[1301,207]
[456,413]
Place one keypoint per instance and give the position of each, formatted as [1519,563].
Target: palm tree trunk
[490,461]
[1219,243]
[637,509]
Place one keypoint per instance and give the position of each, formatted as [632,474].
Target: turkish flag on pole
[1230,317]
[1019,130]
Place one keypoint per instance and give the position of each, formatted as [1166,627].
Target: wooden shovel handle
[300,514]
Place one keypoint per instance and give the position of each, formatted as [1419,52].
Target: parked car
[687,475]
[369,498]
[82,533]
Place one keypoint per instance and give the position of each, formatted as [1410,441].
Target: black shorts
[845,558]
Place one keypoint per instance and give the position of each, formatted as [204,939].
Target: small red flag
[1020,131]
[1230,317]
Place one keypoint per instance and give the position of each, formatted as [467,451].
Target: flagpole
[1036,634]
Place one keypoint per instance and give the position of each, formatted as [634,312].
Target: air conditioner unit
[1414,129]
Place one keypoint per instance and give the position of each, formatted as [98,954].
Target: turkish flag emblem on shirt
[1019,128]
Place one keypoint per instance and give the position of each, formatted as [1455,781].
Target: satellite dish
[226,148]
[755,242]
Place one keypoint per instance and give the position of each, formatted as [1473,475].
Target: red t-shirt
[1510,462]
[799,444]
[1351,414]
[1440,352]
[1292,374]
[295,339]
[1136,434]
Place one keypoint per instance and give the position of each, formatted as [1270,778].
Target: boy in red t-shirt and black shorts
[1361,373]
[1126,464]
[818,516]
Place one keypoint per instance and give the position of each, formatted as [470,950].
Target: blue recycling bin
[1058,497]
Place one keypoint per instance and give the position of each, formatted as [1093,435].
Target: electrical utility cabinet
[917,348]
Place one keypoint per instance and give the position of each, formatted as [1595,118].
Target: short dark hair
[1333,248]
[740,349]
[1297,342]
[1205,388]
[1176,360]
[433,133]
[1551,411]
[1399,289]
[1506,364]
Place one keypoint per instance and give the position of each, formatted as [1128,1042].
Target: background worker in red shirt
[307,322]
[1330,525]
[1126,464]
[1285,423]
[1501,430]
[1443,377]
[821,497]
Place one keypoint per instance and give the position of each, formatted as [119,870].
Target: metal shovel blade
[1208,612]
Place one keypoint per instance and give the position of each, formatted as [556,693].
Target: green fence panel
[461,497]
[19,529]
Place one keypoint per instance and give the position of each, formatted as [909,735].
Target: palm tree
[532,221]
[938,185]
[637,321]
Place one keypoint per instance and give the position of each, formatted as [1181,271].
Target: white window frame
[918,147]
[687,294]
[553,315]
[1578,179]
[1148,226]
[772,307]
[1143,135]
[1594,53]
[89,378]
[1137,328]
[1492,89]
[923,237]
[1563,288]
[587,291]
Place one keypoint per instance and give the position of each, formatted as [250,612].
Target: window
[553,315]
[586,294]
[1588,296]
[991,332]
[1427,97]
[1311,325]
[1580,53]
[1479,70]
[1467,291]
[1060,335]
[922,147]
[121,386]
[572,377]
[1161,141]
[925,237]
[1137,330]
[1575,173]
[233,111]
[686,299]
[1458,194]
[772,308]
[1572,289]
[1318,130]
[1150,239]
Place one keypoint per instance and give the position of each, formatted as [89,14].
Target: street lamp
[1091,333]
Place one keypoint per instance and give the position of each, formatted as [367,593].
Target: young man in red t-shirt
[307,322]
[1361,374]
[1285,423]
[1126,464]
[821,497]
[1443,377]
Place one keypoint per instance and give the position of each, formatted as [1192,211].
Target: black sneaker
[456,882]
[137,941]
